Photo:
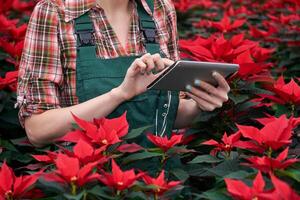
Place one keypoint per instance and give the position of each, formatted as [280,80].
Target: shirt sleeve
[40,70]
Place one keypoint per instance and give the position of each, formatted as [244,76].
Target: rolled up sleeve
[40,70]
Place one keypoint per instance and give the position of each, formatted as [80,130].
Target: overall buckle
[149,35]
[86,38]
[148,32]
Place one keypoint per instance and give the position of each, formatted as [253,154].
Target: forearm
[43,128]
[187,112]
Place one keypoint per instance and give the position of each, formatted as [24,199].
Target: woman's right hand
[139,75]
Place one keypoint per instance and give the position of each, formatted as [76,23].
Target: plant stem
[155,196]
[73,189]
[269,152]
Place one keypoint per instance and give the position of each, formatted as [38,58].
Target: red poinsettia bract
[12,187]
[284,93]
[185,5]
[226,26]
[239,190]
[10,81]
[267,164]
[70,172]
[163,142]
[228,142]
[274,134]
[118,179]
[282,190]
[102,132]
[160,184]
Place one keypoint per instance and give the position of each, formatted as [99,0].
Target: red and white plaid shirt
[47,74]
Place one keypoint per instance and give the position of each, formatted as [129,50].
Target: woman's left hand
[208,97]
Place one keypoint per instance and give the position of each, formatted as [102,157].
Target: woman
[94,58]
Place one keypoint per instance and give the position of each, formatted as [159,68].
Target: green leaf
[240,174]
[76,197]
[238,98]
[214,195]
[205,159]
[226,167]
[140,156]
[135,133]
[103,192]
[7,145]
[180,174]
[292,173]
[50,187]
[280,110]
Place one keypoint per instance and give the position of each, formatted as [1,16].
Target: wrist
[118,94]
[195,106]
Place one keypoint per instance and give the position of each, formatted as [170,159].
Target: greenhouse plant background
[248,149]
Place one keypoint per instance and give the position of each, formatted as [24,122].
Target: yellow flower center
[104,141]
[8,195]
[254,198]
[120,183]
[227,146]
[74,179]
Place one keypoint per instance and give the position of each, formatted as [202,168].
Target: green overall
[96,76]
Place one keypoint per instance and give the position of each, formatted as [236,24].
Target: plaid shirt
[47,73]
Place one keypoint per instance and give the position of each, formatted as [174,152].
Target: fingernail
[214,73]
[197,82]
[188,88]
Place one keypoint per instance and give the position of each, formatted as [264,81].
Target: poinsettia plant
[248,149]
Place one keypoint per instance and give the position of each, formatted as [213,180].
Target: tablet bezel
[226,69]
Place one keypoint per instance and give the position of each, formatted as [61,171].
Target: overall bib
[96,76]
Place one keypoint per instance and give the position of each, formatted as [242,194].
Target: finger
[221,81]
[139,66]
[207,87]
[159,64]
[168,62]
[202,104]
[205,96]
[147,58]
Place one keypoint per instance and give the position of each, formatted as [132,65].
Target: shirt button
[165,105]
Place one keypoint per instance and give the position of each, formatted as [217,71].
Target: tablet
[183,73]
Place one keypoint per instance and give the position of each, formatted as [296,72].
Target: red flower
[226,145]
[273,135]
[282,190]
[215,48]
[284,93]
[69,171]
[5,6]
[257,33]
[12,187]
[119,179]
[160,184]
[23,6]
[129,148]
[102,132]
[9,81]
[185,5]
[267,164]
[13,49]
[163,142]
[225,25]
[239,190]
[86,153]
[49,158]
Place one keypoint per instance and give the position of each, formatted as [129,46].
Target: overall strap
[85,29]
[148,26]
